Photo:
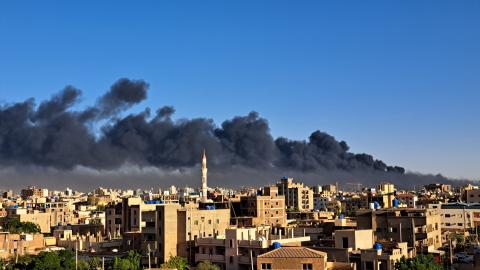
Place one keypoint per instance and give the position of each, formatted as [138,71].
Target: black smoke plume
[55,135]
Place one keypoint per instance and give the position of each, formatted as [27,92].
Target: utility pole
[251,259]
[451,251]
[76,255]
[149,262]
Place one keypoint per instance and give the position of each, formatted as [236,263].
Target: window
[266,266]
[307,266]
[345,242]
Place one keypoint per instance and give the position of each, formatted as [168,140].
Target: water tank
[395,203]
[377,246]
[372,206]
[276,245]
[341,217]
[376,205]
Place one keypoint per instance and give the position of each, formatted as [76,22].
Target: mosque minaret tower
[204,177]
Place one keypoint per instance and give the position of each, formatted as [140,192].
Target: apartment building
[471,195]
[240,247]
[421,228]
[179,227]
[260,210]
[297,196]
[458,217]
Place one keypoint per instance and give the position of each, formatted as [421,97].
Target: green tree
[67,259]
[95,263]
[83,265]
[206,265]
[16,226]
[133,261]
[176,262]
[420,262]
[47,260]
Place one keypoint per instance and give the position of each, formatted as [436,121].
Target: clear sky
[396,79]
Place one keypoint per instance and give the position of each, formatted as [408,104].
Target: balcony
[210,257]
[209,242]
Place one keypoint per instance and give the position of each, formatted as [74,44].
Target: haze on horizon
[399,81]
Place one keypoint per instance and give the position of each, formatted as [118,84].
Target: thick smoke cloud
[55,135]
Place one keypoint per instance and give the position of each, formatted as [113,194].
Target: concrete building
[240,247]
[421,228]
[179,227]
[297,196]
[384,257]
[260,210]
[354,239]
[386,188]
[293,258]
[330,188]
[33,192]
[471,196]
[407,200]
[458,217]
[21,244]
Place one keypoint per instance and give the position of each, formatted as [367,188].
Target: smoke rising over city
[53,140]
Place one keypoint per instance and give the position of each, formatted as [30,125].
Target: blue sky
[396,79]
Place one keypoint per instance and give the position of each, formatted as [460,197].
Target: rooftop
[294,252]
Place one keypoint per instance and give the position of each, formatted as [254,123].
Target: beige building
[297,196]
[45,215]
[472,195]
[293,258]
[384,258]
[397,224]
[354,239]
[458,217]
[386,188]
[178,228]
[23,244]
[261,210]
[240,247]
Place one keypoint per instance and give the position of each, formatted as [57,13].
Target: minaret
[204,177]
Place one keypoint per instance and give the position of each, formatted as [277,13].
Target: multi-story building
[178,228]
[458,217]
[438,188]
[471,195]
[386,188]
[421,228]
[33,192]
[329,188]
[407,199]
[297,196]
[258,210]
[240,247]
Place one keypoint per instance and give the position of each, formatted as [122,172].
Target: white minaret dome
[204,177]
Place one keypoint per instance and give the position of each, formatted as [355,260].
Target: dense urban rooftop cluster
[285,225]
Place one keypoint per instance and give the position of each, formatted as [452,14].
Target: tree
[177,262]
[95,263]
[17,227]
[420,262]
[67,259]
[47,260]
[206,265]
[131,262]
